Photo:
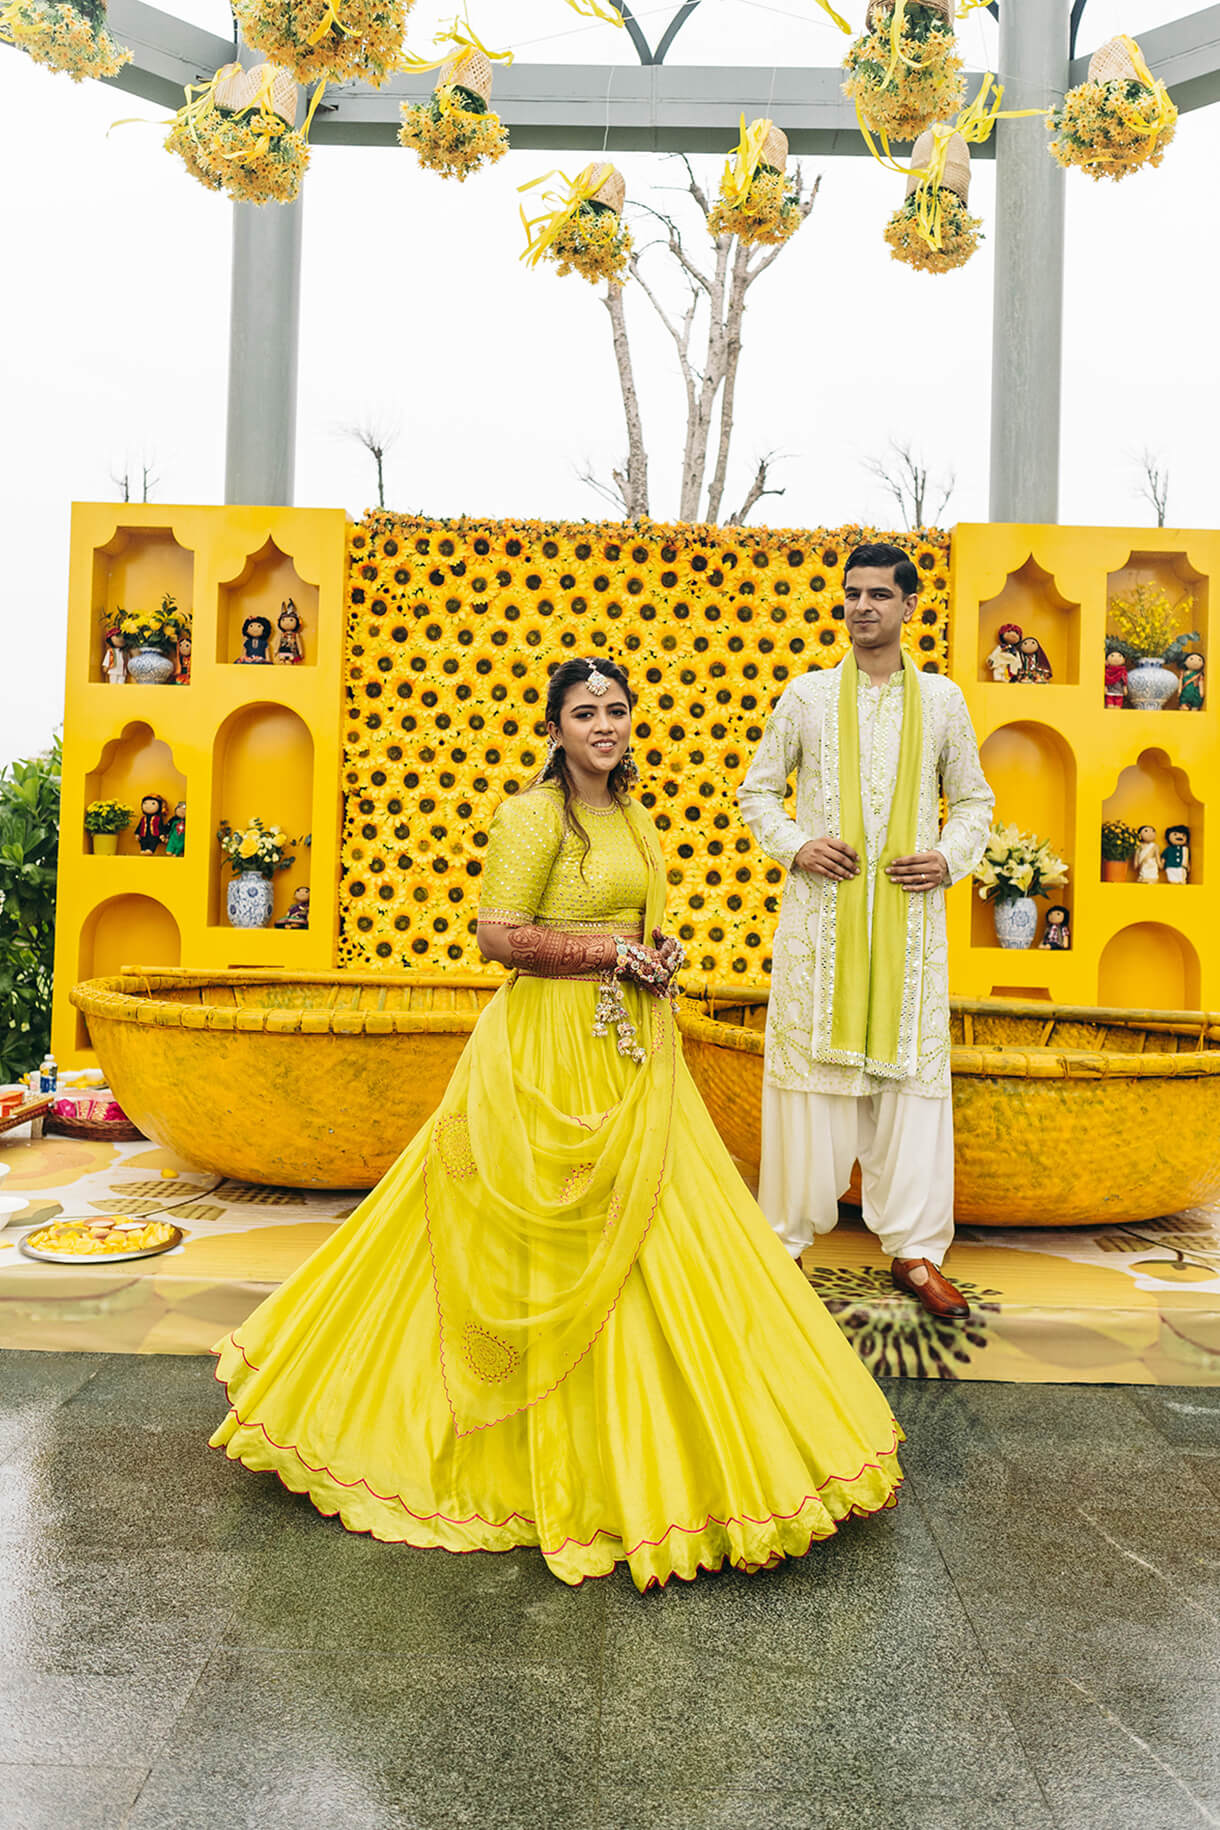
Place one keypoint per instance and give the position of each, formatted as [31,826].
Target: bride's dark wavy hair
[567,675]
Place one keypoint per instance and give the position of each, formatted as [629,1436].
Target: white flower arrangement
[1015,863]
[256,847]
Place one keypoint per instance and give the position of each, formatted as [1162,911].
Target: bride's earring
[552,749]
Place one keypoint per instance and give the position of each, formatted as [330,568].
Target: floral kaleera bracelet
[631,960]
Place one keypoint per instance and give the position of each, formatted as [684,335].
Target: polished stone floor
[1031,1639]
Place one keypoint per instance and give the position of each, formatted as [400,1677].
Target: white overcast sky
[115,299]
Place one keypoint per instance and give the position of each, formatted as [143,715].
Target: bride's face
[594,730]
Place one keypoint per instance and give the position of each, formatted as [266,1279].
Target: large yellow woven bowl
[1063,1117]
[310,1081]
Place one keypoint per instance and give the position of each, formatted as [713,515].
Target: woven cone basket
[775,149]
[613,190]
[1111,63]
[230,90]
[470,70]
[237,88]
[875,7]
[957,165]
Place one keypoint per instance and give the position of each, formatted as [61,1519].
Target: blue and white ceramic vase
[150,667]
[250,900]
[1150,684]
[1016,921]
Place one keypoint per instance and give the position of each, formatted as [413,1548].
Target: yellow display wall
[1062,762]
[238,741]
[419,707]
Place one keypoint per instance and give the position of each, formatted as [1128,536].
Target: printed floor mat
[1111,1304]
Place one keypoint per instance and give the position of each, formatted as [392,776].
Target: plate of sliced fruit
[118,1236]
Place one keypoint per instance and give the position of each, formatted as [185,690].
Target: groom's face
[874,607]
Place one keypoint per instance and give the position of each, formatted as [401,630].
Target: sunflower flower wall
[451,628]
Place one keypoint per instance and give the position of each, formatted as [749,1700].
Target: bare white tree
[1154,482]
[377,437]
[122,478]
[905,476]
[706,331]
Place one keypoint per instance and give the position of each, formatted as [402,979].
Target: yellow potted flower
[104,821]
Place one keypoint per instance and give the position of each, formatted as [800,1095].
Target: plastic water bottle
[48,1074]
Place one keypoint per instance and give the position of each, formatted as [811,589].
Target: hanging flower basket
[1120,119]
[336,40]
[756,202]
[903,73]
[72,37]
[934,231]
[239,135]
[584,231]
[456,132]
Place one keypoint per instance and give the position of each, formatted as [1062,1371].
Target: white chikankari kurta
[801,738]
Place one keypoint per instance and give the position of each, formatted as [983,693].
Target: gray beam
[1027,315]
[565,108]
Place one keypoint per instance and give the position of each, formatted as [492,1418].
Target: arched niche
[131,930]
[264,585]
[1175,575]
[1149,966]
[134,571]
[1033,772]
[262,766]
[134,764]
[1032,600]
[1152,792]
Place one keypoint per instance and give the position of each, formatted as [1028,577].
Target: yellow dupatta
[869,982]
[536,1213]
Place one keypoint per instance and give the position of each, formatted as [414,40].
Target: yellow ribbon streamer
[974,124]
[593,9]
[744,161]
[458,37]
[330,17]
[544,230]
[1166,109]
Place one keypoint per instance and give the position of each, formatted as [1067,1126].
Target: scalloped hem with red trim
[747,1543]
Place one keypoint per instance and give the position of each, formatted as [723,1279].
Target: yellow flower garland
[579,232]
[1109,129]
[69,38]
[252,153]
[451,135]
[959,235]
[451,627]
[334,39]
[756,203]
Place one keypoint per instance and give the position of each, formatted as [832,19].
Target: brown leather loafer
[930,1287]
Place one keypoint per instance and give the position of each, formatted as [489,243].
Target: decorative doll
[1116,678]
[298,910]
[1145,858]
[1176,855]
[289,648]
[1035,668]
[182,674]
[1193,690]
[114,658]
[175,844]
[1057,934]
[1005,658]
[255,639]
[151,831]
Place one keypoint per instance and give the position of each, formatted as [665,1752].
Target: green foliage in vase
[29,841]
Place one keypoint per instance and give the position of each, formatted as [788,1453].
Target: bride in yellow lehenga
[561,1320]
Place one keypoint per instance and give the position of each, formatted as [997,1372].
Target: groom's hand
[827,858]
[923,871]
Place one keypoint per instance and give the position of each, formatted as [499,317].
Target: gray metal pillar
[264,334]
[1027,346]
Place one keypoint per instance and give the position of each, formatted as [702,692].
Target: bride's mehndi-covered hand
[559,956]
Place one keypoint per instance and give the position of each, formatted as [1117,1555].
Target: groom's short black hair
[882,554]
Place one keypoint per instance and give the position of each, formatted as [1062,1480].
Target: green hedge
[29,842]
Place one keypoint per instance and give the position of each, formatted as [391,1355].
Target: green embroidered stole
[870,976]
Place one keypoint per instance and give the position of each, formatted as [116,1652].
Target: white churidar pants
[904,1145]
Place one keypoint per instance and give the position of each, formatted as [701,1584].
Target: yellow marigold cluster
[452,627]
[595,242]
[451,135]
[900,98]
[771,212]
[253,158]
[336,39]
[69,38]
[959,235]
[1111,129]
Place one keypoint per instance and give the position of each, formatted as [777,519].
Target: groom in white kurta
[830,1096]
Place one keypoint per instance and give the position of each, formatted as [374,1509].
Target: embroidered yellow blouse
[533,870]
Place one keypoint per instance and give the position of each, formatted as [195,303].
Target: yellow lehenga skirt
[458,1367]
